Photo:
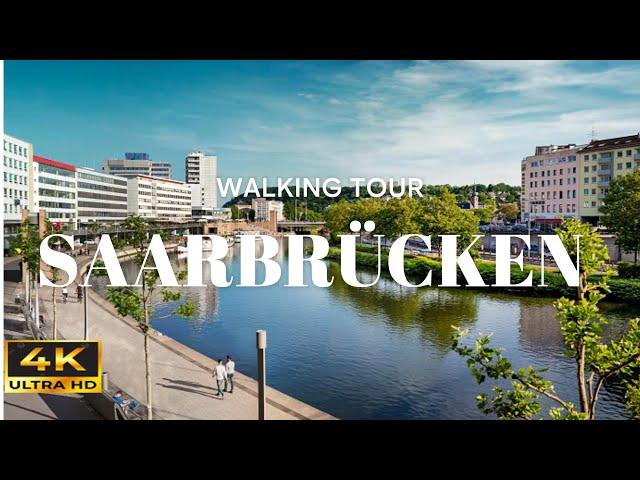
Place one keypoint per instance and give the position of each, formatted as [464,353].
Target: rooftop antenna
[593,134]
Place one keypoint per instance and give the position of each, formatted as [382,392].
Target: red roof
[53,163]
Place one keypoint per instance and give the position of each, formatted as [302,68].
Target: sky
[445,122]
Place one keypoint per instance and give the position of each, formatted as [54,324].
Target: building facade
[54,190]
[135,164]
[17,165]
[261,206]
[158,198]
[600,162]
[18,162]
[550,184]
[101,197]
[200,173]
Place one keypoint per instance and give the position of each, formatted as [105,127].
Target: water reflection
[379,352]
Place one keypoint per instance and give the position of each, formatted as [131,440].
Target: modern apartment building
[262,207]
[136,164]
[158,198]
[200,174]
[17,164]
[550,184]
[54,190]
[600,162]
[101,198]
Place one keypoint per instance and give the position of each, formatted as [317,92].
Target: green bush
[621,290]
[628,270]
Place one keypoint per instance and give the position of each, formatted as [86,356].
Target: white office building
[102,198]
[158,198]
[18,159]
[200,173]
[54,190]
[17,165]
[263,207]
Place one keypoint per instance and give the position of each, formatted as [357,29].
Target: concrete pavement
[183,387]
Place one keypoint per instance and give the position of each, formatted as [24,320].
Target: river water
[381,352]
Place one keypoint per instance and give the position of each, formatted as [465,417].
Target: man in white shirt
[230,370]
[220,374]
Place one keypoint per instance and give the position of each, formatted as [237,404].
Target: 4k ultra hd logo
[53,366]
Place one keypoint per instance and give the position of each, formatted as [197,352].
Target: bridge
[298,225]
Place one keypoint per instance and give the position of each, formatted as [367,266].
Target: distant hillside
[503,193]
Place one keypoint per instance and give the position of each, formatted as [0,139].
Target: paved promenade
[29,406]
[183,387]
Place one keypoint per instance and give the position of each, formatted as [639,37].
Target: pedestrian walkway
[183,386]
[30,406]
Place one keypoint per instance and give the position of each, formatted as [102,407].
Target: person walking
[230,370]
[65,294]
[220,374]
[79,293]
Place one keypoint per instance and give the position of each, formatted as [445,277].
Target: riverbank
[183,387]
[622,290]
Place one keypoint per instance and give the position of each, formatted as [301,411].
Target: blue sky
[446,122]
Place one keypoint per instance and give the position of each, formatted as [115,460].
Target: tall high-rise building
[136,164]
[18,162]
[600,162]
[200,173]
[549,179]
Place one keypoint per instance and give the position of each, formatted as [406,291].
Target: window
[628,164]
[586,169]
[594,157]
[593,204]
[586,180]
[619,154]
[586,157]
[619,166]
[593,191]
[594,179]
[629,152]
[543,173]
[586,191]
[594,168]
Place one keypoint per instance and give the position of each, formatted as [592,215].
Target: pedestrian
[230,370]
[79,293]
[220,374]
[65,294]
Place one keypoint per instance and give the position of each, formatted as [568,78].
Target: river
[381,352]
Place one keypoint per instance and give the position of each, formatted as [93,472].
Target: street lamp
[85,302]
[261,346]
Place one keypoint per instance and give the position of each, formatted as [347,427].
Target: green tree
[581,324]
[621,211]
[136,302]
[439,214]
[338,217]
[393,217]
[508,211]
[26,246]
[485,214]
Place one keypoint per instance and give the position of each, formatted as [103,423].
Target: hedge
[628,270]
[622,290]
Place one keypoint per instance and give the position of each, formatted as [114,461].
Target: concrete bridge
[298,225]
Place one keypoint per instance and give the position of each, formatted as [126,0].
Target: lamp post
[85,303]
[261,346]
